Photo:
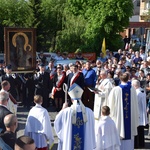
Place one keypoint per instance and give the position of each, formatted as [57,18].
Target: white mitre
[75,92]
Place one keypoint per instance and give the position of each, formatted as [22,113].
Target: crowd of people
[111,92]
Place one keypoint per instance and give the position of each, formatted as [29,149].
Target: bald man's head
[25,143]
[10,122]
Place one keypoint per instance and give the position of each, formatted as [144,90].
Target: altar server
[38,125]
[107,134]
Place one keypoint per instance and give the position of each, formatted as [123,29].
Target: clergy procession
[102,104]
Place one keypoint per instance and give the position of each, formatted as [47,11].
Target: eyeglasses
[119,64]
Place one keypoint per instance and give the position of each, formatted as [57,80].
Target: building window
[138,3]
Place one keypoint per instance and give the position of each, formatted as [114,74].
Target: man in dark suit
[1,68]
[75,77]
[28,90]
[4,96]
[12,79]
[42,85]
[51,69]
[8,138]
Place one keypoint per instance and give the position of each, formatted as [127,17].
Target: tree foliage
[105,18]
[70,37]
[15,13]
[52,15]
[69,24]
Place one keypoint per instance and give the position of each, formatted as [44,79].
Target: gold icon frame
[20,49]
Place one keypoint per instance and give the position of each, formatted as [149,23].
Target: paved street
[22,115]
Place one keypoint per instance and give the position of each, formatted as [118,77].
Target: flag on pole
[104,47]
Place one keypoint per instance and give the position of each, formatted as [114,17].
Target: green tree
[70,37]
[48,21]
[104,18]
[14,13]
[35,5]
[69,24]
[51,21]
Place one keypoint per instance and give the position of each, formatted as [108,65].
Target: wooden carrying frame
[20,49]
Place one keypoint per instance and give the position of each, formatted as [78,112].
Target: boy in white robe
[38,125]
[74,125]
[107,134]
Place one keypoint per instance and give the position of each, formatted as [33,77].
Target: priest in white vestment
[101,97]
[141,97]
[74,125]
[38,125]
[123,104]
[107,134]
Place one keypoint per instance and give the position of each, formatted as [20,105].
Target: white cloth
[74,111]
[115,104]
[127,144]
[107,135]
[102,97]
[38,126]
[12,107]
[141,97]
[63,128]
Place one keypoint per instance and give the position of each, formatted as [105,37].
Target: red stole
[52,74]
[58,84]
[75,78]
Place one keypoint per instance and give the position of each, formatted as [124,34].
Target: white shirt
[143,56]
